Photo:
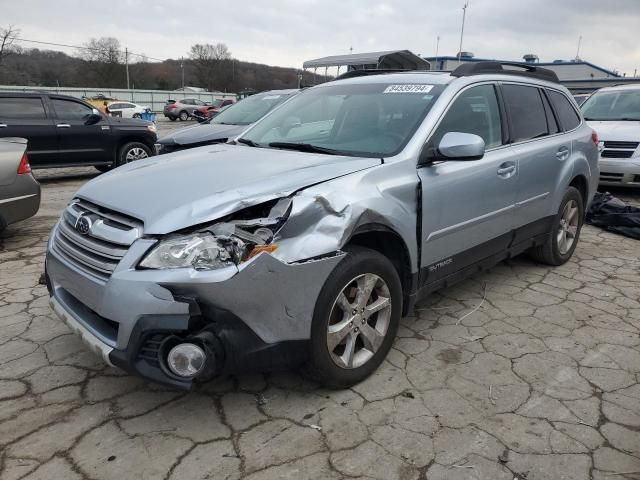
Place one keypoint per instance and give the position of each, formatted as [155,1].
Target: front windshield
[249,110]
[613,105]
[374,120]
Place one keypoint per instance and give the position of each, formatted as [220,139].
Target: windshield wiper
[246,141]
[629,119]
[305,147]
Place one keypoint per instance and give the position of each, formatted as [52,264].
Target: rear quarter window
[567,115]
[526,112]
[22,108]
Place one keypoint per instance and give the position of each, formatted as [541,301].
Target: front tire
[565,231]
[355,320]
[132,151]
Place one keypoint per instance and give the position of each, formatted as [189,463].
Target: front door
[467,206]
[26,117]
[78,142]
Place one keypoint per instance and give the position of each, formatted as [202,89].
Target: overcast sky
[287,32]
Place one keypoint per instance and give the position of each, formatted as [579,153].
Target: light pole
[464,15]
[437,48]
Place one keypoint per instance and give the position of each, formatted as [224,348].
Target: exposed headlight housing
[221,245]
[202,251]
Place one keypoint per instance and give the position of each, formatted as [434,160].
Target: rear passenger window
[551,119]
[567,116]
[474,111]
[21,108]
[526,112]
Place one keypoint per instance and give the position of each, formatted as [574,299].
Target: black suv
[65,131]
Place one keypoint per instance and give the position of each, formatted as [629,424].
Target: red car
[202,114]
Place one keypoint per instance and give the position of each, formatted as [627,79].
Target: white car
[614,113]
[127,109]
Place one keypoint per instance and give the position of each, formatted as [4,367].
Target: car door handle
[3,125]
[63,125]
[504,171]
[563,153]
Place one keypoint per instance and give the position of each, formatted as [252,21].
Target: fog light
[186,359]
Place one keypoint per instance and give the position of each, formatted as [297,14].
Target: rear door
[77,141]
[467,206]
[26,117]
[541,149]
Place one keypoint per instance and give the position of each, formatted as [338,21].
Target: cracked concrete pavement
[542,381]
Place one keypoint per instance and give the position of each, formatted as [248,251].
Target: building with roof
[577,75]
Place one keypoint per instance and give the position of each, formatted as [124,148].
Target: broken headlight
[225,243]
[201,251]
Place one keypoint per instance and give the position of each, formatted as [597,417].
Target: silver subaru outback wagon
[304,240]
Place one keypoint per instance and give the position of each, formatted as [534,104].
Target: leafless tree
[207,59]
[105,59]
[7,37]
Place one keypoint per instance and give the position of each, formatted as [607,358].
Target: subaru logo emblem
[83,225]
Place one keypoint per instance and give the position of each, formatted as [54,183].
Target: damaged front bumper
[258,314]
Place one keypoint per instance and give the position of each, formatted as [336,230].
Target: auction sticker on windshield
[408,88]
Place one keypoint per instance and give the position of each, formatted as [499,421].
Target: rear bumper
[20,200]
[623,172]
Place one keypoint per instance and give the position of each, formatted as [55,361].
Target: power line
[83,47]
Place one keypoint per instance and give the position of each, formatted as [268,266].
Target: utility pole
[350,49]
[126,64]
[182,70]
[579,45]
[464,15]
[437,48]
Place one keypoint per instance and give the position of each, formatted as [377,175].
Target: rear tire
[184,116]
[352,330]
[131,152]
[173,119]
[565,231]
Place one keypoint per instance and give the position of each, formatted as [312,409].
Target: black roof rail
[372,71]
[526,70]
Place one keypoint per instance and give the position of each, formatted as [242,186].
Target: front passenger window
[69,110]
[474,111]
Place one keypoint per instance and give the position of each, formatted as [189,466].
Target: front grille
[616,154]
[625,145]
[611,177]
[98,252]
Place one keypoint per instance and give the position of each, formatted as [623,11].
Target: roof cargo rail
[522,69]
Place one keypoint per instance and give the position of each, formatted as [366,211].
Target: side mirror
[94,118]
[454,146]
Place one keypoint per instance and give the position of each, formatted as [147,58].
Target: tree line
[100,63]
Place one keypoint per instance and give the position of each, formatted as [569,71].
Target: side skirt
[454,269]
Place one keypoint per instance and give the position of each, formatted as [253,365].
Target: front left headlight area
[229,241]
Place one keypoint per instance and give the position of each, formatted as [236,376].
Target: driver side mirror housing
[454,146]
[94,118]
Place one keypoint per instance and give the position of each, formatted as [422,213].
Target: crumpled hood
[210,132]
[617,131]
[172,192]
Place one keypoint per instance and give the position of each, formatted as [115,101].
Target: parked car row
[323,219]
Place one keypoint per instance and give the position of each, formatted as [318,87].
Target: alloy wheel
[135,153]
[568,228]
[359,321]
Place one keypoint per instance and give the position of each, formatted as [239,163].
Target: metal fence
[155,99]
